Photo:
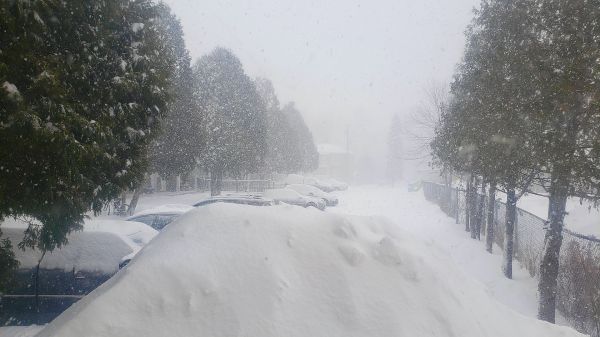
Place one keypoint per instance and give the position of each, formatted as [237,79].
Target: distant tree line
[96,94]
[525,109]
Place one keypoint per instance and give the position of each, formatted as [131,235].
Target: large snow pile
[234,270]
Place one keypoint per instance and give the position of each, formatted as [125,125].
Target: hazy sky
[348,65]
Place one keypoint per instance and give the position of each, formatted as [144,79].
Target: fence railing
[578,297]
[230,185]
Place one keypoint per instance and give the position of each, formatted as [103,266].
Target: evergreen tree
[83,85]
[278,129]
[177,149]
[303,155]
[568,52]
[395,153]
[235,117]
[525,105]
[488,131]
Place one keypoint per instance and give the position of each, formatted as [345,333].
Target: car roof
[168,209]
[234,198]
[98,247]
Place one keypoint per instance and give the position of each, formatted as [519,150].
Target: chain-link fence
[578,297]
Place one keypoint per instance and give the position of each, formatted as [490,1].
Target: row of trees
[94,94]
[227,124]
[525,110]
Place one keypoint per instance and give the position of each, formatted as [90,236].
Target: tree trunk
[216,179]
[552,243]
[134,200]
[473,206]
[467,202]
[37,288]
[447,192]
[489,236]
[511,215]
[480,211]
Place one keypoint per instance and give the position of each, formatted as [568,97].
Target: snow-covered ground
[227,270]
[426,221]
[402,268]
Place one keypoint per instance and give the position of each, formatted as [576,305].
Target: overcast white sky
[348,64]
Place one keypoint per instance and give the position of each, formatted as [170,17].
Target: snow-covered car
[292,197]
[159,217]
[91,256]
[322,183]
[241,199]
[334,183]
[311,191]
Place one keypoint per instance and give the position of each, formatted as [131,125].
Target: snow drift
[234,270]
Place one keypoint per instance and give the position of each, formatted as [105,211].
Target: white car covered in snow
[324,184]
[292,197]
[311,191]
[159,217]
[91,256]
[99,247]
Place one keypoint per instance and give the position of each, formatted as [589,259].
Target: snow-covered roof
[230,270]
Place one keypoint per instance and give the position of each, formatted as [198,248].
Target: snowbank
[234,270]
[20,331]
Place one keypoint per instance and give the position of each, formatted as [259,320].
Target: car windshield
[428,167]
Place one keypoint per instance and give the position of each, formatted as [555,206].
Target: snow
[293,179]
[20,331]
[165,209]
[309,190]
[427,222]
[330,149]
[233,270]
[98,248]
[160,199]
[11,89]
[137,26]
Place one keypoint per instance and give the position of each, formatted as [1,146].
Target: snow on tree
[302,155]
[567,57]
[487,131]
[290,146]
[177,149]
[525,107]
[235,117]
[278,128]
[85,85]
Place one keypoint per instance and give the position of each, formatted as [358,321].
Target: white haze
[349,65]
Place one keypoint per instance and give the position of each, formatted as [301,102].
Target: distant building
[335,162]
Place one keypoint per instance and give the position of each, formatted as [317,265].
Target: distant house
[335,162]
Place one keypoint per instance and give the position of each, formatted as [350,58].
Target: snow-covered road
[427,222]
